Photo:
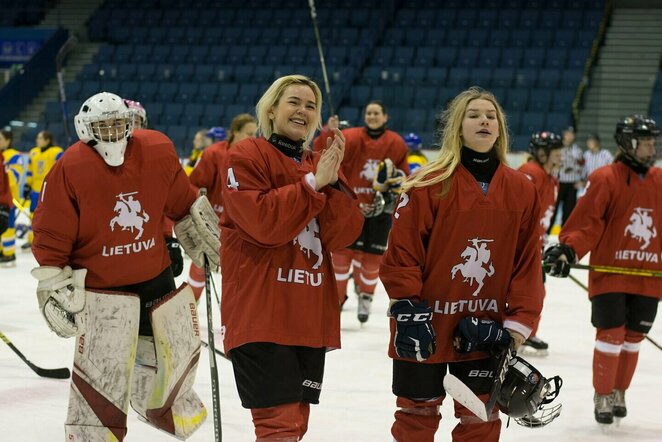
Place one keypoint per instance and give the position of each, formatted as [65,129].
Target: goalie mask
[524,392]
[630,130]
[105,123]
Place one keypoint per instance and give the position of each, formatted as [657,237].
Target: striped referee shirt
[572,164]
[596,160]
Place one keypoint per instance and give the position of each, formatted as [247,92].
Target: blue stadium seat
[145,72]
[499,38]
[489,57]
[130,90]
[557,121]
[487,18]
[403,56]
[511,57]
[415,37]
[179,54]
[183,72]
[276,54]
[551,19]
[540,100]
[383,56]
[571,20]
[188,92]
[263,74]
[359,95]
[456,37]
[478,38]
[549,78]
[435,37]
[556,58]
[562,100]
[172,112]
[458,76]
[160,54]
[577,58]
[445,56]
[543,38]
[503,77]
[436,76]
[123,54]
[244,73]
[517,100]
[248,93]
[394,75]
[445,17]
[520,38]
[565,38]
[466,18]
[395,37]
[526,77]
[424,56]
[212,114]
[533,58]
[481,77]
[570,78]
[508,18]
[236,54]
[528,19]
[425,18]
[208,91]
[425,96]
[532,121]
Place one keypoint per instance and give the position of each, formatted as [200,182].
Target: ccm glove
[176,258]
[474,334]
[557,259]
[414,335]
[387,177]
[4,218]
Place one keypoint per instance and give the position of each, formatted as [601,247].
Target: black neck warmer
[375,133]
[292,149]
[481,165]
[633,164]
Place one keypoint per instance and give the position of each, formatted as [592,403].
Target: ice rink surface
[356,402]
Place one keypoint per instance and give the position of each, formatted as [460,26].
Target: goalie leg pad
[170,403]
[103,365]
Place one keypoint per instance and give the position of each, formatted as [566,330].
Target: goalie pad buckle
[199,235]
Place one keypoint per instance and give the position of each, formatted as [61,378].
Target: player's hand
[557,259]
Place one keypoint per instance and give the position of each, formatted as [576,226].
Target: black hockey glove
[4,218]
[414,335]
[27,190]
[474,334]
[557,259]
[176,258]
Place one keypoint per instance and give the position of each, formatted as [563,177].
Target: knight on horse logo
[641,226]
[309,243]
[369,169]
[128,214]
[472,268]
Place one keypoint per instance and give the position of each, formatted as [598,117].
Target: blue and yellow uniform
[15,166]
[40,162]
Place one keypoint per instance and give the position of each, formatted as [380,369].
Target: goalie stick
[459,391]
[53,373]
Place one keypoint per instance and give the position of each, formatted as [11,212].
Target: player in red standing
[545,149]
[375,163]
[462,270]
[207,174]
[616,222]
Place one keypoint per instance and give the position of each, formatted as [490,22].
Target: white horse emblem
[369,169]
[472,268]
[128,214]
[309,243]
[641,226]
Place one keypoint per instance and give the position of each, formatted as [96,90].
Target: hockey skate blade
[459,391]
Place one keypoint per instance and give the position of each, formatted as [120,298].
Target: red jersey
[276,238]
[363,154]
[108,219]
[207,173]
[468,254]
[616,220]
[547,187]
[5,193]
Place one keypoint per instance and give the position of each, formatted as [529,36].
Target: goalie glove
[474,334]
[61,297]
[199,235]
[414,335]
[176,258]
[387,177]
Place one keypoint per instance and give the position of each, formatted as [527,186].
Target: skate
[27,247]
[8,260]
[604,408]
[534,346]
[365,302]
[620,410]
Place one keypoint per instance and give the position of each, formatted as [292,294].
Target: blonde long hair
[450,129]
[273,95]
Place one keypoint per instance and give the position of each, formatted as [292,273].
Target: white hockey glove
[61,296]
[199,235]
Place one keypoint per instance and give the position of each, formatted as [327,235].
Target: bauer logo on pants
[129,216]
[309,242]
[472,270]
[641,226]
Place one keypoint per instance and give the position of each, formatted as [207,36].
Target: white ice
[356,402]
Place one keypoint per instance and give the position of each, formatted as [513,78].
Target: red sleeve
[402,264]
[526,292]
[587,222]
[341,221]
[204,173]
[182,194]
[264,215]
[55,234]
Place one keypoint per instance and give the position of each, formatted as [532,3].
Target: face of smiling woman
[480,127]
[295,112]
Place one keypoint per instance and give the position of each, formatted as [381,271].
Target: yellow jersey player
[202,139]
[14,166]
[415,156]
[41,159]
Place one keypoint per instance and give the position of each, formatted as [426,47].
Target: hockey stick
[327,87]
[461,393]
[218,352]
[53,373]
[582,285]
[21,208]
[615,270]
[66,48]
[215,390]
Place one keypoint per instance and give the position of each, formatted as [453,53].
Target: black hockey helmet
[542,143]
[524,392]
[631,128]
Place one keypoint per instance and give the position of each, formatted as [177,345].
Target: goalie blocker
[161,386]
